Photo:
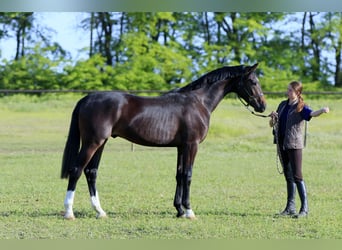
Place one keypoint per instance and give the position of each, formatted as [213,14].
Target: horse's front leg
[179,187]
[186,193]
[184,175]
[188,159]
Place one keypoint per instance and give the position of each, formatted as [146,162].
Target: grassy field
[236,188]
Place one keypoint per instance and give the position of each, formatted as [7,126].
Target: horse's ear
[250,69]
[253,68]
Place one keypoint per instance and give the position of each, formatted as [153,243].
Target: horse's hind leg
[91,173]
[84,156]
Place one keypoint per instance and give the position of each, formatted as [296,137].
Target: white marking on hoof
[95,203]
[101,216]
[68,202]
[69,216]
[189,214]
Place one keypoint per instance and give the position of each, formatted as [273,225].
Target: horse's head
[250,90]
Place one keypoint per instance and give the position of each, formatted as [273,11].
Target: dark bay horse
[179,118]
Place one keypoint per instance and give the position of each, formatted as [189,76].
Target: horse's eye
[253,83]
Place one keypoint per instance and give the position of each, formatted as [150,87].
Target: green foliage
[272,79]
[158,51]
[33,71]
[150,65]
[90,74]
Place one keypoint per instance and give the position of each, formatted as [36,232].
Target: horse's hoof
[180,214]
[193,217]
[189,214]
[101,216]
[68,216]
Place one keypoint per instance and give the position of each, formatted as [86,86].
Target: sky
[71,38]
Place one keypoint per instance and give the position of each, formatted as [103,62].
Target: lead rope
[275,122]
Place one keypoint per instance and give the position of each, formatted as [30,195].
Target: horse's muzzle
[261,107]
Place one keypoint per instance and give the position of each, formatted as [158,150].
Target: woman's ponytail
[298,88]
[300,104]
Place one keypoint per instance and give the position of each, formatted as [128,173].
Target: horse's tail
[72,145]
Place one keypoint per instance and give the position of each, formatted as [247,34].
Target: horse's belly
[153,130]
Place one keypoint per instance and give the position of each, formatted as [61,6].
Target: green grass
[236,189]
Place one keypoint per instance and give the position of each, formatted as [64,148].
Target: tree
[314,47]
[150,65]
[145,50]
[104,38]
[21,24]
[33,71]
[333,30]
[89,74]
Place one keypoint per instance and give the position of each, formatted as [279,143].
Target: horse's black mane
[212,77]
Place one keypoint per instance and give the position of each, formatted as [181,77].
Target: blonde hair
[298,88]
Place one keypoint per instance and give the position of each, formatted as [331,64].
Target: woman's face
[291,93]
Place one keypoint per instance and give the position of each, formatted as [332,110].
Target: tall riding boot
[304,209]
[290,208]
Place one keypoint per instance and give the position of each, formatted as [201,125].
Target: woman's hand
[325,110]
[273,114]
[274,118]
[320,111]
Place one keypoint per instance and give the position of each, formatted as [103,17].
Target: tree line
[162,50]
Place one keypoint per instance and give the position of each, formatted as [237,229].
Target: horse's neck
[216,92]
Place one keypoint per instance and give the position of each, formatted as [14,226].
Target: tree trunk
[338,78]
[91,34]
[106,23]
[18,38]
[316,51]
[338,58]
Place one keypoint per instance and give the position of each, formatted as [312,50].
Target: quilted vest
[293,138]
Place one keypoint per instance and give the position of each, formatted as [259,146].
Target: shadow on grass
[231,213]
[89,213]
[42,214]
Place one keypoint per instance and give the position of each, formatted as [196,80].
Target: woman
[288,122]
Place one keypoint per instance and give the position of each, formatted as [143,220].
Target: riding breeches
[292,164]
